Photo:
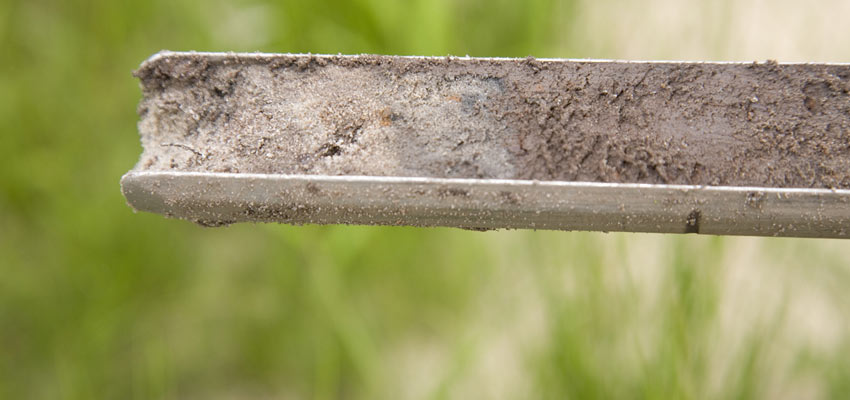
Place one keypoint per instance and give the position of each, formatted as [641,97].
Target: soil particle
[692,222]
[758,124]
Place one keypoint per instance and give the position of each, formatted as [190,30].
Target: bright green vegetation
[98,302]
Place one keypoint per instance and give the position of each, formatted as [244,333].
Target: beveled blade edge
[220,199]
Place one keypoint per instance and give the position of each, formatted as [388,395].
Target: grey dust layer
[468,142]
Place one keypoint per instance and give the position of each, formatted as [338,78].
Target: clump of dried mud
[760,124]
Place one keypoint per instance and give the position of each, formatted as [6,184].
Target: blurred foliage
[99,302]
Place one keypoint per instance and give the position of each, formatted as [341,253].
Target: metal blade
[489,143]
[215,199]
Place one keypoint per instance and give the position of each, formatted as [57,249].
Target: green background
[99,302]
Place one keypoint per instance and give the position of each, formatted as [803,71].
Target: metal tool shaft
[716,148]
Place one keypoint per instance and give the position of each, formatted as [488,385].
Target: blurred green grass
[99,302]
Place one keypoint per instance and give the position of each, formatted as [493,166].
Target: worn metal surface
[220,198]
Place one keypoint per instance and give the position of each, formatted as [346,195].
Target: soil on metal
[759,124]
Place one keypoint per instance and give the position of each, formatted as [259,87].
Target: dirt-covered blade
[722,148]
